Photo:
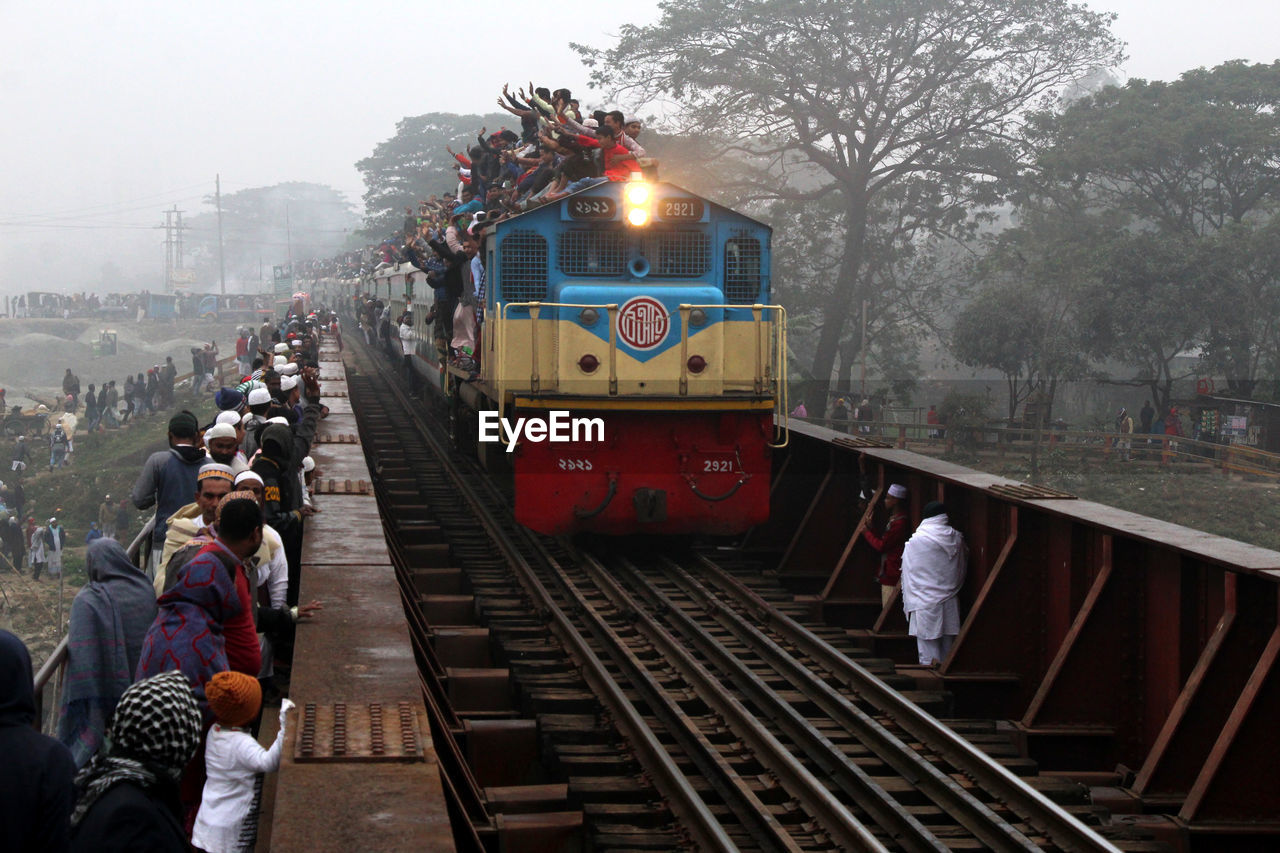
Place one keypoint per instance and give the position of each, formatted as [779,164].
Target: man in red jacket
[890,543]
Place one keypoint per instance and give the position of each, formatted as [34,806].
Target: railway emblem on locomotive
[643,322]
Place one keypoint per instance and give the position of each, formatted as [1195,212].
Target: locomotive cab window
[524,267]
[677,254]
[593,252]
[742,270]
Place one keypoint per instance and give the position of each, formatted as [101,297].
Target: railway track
[684,707]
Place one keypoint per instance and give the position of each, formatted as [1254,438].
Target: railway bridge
[473,686]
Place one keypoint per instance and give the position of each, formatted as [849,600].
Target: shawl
[155,733]
[109,618]
[187,632]
[933,564]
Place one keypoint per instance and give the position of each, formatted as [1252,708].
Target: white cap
[282,348]
[228,417]
[280,361]
[246,417]
[247,475]
[308,464]
[288,383]
[258,396]
[290,369]
[220,430]
[278,420]
[897,490]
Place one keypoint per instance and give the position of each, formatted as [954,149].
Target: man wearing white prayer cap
[259,402]
[289,369]
[222,443]
[281,348]
[933,566]
[888,544]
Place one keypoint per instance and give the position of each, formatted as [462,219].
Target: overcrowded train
[633,320]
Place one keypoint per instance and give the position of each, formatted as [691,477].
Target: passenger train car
[640,312]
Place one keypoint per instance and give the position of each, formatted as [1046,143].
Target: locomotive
[641,312]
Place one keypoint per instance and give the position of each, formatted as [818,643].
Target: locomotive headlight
[638,192]
[638,195]
[588,316]
[697,317]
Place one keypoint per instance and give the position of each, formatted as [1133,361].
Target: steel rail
[971,813]
[837,820]
[685,801]
[1030,805]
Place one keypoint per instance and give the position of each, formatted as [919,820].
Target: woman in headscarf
[109,619]
[35,770]
[128,794]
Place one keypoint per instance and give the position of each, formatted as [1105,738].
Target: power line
[98,207]
[67,225]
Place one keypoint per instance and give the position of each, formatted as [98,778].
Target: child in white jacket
[233,758]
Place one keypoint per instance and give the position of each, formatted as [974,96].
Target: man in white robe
[933,565]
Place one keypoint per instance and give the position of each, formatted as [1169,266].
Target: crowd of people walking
[171,655]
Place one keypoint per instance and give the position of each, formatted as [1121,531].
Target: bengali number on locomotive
[592,207]
[680,208]
[643,322]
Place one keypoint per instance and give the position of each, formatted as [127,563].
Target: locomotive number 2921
[681,208]
[717,466]
[575,464]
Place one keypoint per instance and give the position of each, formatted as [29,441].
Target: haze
[116,112]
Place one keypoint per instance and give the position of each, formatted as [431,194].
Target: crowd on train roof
[558,151]
[169,665]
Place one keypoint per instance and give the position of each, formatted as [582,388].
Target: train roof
[614,190]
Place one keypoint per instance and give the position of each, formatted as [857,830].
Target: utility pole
[173,229]
[288,236]
[222,264]
[862,386]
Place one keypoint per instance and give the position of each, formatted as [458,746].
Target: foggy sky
[114,111]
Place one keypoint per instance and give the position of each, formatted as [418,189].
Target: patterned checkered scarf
[153,735]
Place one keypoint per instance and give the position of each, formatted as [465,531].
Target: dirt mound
[34,353]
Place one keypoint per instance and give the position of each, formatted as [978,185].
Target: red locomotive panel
[654,472]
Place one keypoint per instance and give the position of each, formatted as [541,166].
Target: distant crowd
[124,305]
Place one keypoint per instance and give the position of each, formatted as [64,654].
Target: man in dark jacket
[91,410]
[71,385]
[457,269]
[168,478]
[36,791]
[279,464]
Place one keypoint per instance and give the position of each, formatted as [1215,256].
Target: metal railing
[1161,447]
[51,673]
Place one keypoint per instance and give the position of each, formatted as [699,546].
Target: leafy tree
[413,165]
[1196,166]
[1149,306]
[1030,316]
[260,226]
[858,101]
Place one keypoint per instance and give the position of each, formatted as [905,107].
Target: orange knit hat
[234,698]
